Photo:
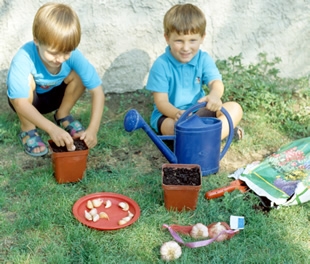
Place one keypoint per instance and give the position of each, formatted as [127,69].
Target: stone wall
[123,37]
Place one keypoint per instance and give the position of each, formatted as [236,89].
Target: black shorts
[49,101]
[201,112]
[159,123]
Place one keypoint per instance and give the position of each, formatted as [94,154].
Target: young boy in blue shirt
[177,76]
[49,74]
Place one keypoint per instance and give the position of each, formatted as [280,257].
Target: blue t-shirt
[27,62]
[181,81]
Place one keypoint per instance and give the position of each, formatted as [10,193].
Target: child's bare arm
[165,107]
[97,101]
[213,99]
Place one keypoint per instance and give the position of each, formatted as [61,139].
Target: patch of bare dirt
[24,161]
[144,159]
[234,160]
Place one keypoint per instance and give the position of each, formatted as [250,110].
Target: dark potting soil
[79,145]
[181,176]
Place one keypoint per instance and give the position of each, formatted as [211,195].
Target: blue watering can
[197,140]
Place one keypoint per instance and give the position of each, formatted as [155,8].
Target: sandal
[238,133]
[74,126]
[34,141]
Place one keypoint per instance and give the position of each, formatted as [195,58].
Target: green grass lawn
[36,220]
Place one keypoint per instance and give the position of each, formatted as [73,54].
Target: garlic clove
[130,214]
[103,215]
[122,222]
[89,204]
[170,251]
[97,202]
[95,218]
[93,211]
[199,231]
[108,204]
[124,206]
[127,218]
[88,216]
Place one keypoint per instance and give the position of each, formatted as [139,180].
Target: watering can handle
[230,137]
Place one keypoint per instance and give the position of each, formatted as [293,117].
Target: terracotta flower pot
[181,184]
[69,166]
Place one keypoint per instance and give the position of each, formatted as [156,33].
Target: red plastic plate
[115,213]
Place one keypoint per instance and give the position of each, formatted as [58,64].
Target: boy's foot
[31,142]
[238,133]
[72,126]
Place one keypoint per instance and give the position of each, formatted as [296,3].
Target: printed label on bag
[236,222]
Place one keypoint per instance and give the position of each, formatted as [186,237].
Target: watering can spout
[133,121]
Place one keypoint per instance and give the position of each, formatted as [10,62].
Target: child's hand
[178,115]
[62,138]
[89,137]
[214,103]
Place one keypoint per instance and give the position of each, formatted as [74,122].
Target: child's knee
[167,127]
[233,108]
[238,108]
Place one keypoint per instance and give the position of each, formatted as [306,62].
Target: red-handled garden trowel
[234,185]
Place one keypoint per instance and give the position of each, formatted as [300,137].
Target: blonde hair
[185,19]
[57,26]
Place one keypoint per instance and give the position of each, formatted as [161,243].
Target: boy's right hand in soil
[62,138]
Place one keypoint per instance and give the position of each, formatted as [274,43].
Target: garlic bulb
[216,229]
[199,231]
[170,250]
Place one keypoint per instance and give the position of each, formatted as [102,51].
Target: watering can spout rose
[197,140]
